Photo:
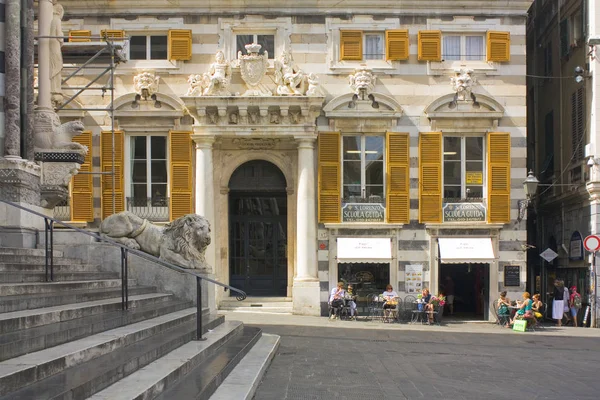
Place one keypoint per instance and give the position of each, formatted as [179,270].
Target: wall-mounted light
[579,74]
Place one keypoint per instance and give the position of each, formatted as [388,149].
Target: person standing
[449,290]
[558,304]
[574,304]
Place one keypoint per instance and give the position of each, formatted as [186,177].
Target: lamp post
[530,185]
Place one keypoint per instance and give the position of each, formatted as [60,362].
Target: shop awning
[364,250]
[466,250]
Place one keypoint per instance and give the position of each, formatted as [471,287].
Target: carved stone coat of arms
[253,68]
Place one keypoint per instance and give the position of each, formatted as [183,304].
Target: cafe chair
[375,306]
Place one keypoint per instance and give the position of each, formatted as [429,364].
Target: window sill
[149,64]
[345,67]
[454,225]
[441,68]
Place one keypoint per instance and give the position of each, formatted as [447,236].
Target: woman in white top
[391,300]
[336,300]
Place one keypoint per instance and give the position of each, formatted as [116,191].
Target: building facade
[562,149]
[374,144]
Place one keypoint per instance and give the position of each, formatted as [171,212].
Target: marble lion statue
[181,242]
[61,136]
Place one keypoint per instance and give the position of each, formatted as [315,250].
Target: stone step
[242,382]
[21,251]
[18,320]
[13,289]
[202,381]
[34,276]
[254,305]
[78,369]
[17,343]
[30,301]
[27,259]
[165,372]
[259,310]
[40,267]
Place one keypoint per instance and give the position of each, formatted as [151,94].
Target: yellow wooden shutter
[498,46]
[498,183]
[329,177]
[430,45]
[180,44]
[80,36]
[430,177]
[398,187]
[106,164]
[82,200]
[396,44]
[351,45]
[113,33]
[180,152]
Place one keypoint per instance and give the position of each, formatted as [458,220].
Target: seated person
[524,311]
[537,307]
[503,311]
[425,296]
[391,300]
[336,300]
[351,301]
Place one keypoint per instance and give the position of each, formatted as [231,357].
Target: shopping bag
[520,325]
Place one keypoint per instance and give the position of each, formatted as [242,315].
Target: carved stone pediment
[374,106]
[477,114]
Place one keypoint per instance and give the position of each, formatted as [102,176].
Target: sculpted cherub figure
[291,80]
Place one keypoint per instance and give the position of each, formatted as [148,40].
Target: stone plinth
[20,184]
[57,169]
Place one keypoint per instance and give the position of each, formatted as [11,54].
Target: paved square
[345,363]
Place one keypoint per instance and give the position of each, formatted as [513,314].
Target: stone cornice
[286,7]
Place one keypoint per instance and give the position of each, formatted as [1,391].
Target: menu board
[512,275]
[414,278]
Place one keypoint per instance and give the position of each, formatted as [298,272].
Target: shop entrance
[258,230]
[470,285]
[367,278]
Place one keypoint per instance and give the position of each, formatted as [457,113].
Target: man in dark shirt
[449,290]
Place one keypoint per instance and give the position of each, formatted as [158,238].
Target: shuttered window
[80,36]
[180,44]
[112,33]
[351,43]
[181,184]
[498,46]
[82,201]
[498,177]
[430,177]
[397,44]
[398,165]
[430,46]
[106,164]
[329,177]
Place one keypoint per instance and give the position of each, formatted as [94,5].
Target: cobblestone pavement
[345,363]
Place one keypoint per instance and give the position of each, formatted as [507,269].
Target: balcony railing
[62,211]
[152,208]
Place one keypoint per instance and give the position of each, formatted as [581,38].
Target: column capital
[306,142]
[203,142]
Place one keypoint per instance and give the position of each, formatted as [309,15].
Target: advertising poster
[414,278]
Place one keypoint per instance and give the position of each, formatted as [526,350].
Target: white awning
[364,250]
[466,250]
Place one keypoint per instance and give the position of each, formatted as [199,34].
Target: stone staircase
[264,305]
[70,339]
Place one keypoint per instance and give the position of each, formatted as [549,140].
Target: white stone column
[306,290]
[46,10]
[205,205]
[205,202]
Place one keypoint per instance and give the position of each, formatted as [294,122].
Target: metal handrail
[49,246]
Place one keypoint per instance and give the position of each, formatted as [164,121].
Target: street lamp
[530,185]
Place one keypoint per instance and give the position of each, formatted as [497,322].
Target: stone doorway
[258,229]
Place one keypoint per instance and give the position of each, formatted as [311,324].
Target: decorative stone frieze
[362,81]
[253,68]
[20,181]
[280,114]
[462,84]
[256,143]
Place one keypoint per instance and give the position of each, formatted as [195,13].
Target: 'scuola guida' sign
[464,212]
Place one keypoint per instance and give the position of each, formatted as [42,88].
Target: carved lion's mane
[187,241]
